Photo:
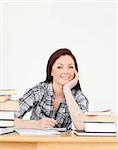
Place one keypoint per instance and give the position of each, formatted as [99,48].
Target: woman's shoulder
[41,86]
[38,87]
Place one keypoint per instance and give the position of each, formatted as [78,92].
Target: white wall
[32,30]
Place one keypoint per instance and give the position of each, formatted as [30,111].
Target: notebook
[100,134]
[50,131]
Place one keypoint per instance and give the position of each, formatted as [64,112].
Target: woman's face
[63,70]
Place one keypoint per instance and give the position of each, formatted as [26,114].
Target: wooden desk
[66,141]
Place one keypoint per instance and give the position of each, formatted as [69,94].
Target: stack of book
[99,124]
[7,109]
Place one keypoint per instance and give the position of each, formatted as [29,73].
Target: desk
[66,141]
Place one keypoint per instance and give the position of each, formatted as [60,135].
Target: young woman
[58,101]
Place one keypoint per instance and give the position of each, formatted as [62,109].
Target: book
[37,132]
[49,131]
[9,105]
[100,127]
[98,113]
[5,98]
[99,118]
[6,123]
[6,115]
[7,91]
[6,130]
[57,129]
[95,134]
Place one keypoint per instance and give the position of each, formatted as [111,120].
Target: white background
[32,30]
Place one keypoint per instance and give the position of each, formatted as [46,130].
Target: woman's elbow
[80,126]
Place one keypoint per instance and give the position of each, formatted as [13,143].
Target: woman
[58,101]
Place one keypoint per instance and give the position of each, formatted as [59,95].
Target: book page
[50,131]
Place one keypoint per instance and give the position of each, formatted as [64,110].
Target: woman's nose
[65,70]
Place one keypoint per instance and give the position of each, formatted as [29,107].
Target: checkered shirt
[39,100]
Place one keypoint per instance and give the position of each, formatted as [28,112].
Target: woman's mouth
[65,77]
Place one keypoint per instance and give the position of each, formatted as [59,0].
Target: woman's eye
[59,67]
[71,67]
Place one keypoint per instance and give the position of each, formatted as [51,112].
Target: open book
[50,131]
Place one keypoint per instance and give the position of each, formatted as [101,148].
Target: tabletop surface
[63,137]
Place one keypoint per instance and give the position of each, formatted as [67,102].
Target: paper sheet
[51,131]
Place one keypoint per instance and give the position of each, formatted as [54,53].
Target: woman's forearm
[40,124]
[74,109]
[25,124]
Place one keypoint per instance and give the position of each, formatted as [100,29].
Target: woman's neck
[58,90]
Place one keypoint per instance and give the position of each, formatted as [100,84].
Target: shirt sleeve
[25,103]
[82,101]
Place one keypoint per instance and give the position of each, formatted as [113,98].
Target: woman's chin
[64,82]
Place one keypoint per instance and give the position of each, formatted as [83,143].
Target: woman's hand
[41,124]
[73,82]
[45,123]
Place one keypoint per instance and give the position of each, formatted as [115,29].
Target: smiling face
[63,70]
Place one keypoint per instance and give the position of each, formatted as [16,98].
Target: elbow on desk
[80,126]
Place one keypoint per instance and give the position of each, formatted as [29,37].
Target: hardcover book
[100,127]
[10,105]
[100,134]
[6,130]
[7,91]
[5,98]
[6,115]
[6,123]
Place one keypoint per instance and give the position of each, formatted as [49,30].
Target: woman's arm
[25,124]
[41,124]
[75,111]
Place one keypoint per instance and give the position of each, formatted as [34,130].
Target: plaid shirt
[40,99]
